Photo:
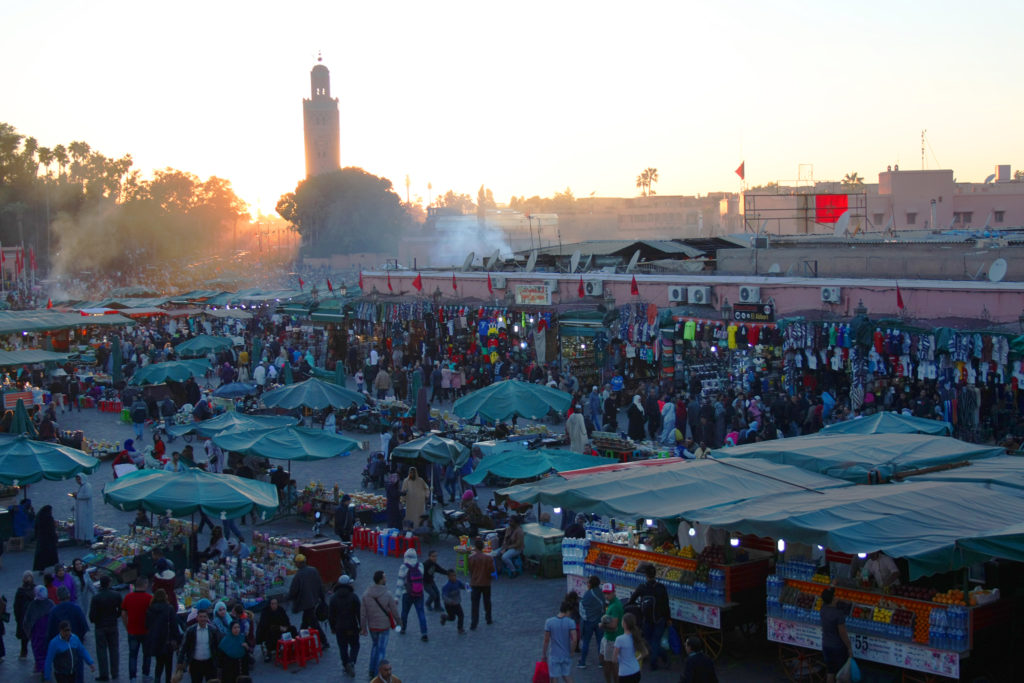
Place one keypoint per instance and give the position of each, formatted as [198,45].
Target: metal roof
[610,247]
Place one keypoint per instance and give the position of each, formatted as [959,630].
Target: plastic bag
[849,673]
[674,642]
[540,673]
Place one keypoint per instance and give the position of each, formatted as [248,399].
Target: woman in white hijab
[83,511]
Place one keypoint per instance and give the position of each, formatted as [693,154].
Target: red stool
[290,652]
[314,646]
[403,543]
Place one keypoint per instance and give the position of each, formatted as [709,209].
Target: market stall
[890,423]
[502,400]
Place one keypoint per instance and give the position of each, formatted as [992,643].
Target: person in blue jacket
[64,656]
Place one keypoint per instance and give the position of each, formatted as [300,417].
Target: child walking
[451,593]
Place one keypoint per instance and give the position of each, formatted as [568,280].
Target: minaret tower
[321,124]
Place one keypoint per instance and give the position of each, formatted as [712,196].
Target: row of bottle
[949,628]
[801,571]
[699,591]
[574,555]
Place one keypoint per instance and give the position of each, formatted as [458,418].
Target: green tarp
[232,421]
[502,400]
[1001,471]
[24,461]
[177,370]
[312,393]
[29,356]
[667,489]
[202,344]
[854,456]
[526,464]
[923,522]
[188,492]
[432,448]
[12,322]
[287,443]
[890,423]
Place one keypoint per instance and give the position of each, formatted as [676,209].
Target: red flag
[829,207]
[634,288]
[490,287]
[741,171]
[330,288]
[49,303]
[360,279]
[390,289]
[302,283]
[899,297]
[582,289]
[455,285]
[18,261]
[418,282]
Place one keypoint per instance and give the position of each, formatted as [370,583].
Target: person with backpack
[344,618]
[139,413]
[651,599]
[410,591]
[591,611]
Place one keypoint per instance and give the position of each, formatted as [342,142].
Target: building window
[911,218]
[878,218]
[998,216]
[967,216]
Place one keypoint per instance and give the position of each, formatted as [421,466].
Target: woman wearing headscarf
[62,579]
[668,423]
[128,456]
[36,624]
[422,410]
[393,493]
[162,634]
[221,619]
[23,597]
[416,492]
[46,540]
[637,419]
[83,511]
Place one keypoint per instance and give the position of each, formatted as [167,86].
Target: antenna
[923,132]
[531,262]
[633,261]
[574,261]
[997,271]
[952,222]
[843,225]
[468,263]
[981,269]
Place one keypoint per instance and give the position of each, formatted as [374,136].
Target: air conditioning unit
[498,282]
[677,293]
[552,285]
[698,295]
[750,295]
[831,295]
[593,287]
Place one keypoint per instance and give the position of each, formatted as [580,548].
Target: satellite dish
[468,263]
[633,261]
[574,261]
[493,260]
[843,225]
[952,221]
[889,224]
[997,271]
[988,221]
[764,228]
[990,178]
[531,262]
[589,262]
[775,269]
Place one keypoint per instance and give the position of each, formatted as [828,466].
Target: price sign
[753,313]
[696,613]
[533,295]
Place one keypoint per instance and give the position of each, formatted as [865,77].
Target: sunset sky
[527,97]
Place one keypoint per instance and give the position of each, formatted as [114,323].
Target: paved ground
[503,652]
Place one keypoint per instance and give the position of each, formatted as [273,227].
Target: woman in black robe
[46,540]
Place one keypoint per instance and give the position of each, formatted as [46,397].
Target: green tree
[484,201]
[462,202]
[652,177]
[853,178]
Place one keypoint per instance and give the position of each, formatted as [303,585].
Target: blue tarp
[1005,471]
[526,464]
[890,423]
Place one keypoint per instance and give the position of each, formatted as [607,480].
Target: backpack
[647,612]
[139,414]
[414,582]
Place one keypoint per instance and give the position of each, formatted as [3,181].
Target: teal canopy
[432,448]
[29,356]
[24,461]
[890,423]
[502,400]
[527,464]
[924,522]
[312,393]
[191,491]
[1005,471]
[667,489]
[21,423]
[854,456]
[176,370]
[232,421]
[286,443]
[202,344]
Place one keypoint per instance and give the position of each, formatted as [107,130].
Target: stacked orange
[951,597]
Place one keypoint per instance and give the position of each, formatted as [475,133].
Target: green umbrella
[432,448]
[286,376]
[502,400]
[116,376]
[24,461]
[286,443]
[202,344]
[232,421]
[22,423]
[185,493]
[526,464]
[339,373]
[312,393]
[177,370]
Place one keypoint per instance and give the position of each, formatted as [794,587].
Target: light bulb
[558,511]
[734,542]
[782,545]
[693,532]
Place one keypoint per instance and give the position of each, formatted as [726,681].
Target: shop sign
[696,613]
[897,653]
[533,295]
[753,313]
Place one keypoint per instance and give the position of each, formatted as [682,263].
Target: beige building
[321,124]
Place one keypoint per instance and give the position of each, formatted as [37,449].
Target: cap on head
[607,588]
[345,580]
[300,559]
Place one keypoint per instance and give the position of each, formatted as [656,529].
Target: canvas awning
[28,356]
[1005,471]
[890,423]
[527,464]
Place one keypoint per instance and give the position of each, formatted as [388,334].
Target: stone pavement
[503,652]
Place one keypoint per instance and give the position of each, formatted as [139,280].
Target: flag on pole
[899,297]
[741,170]
[360,279]
[634,288]
[582,290]
[49,303]
[490,287]
[302,283]
[330,288]
[418,282]
[390,289]
[455,285]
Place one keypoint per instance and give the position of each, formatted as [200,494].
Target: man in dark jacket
[306,592]
[343,616]
[344,519]
[652,599]
[698,667]
[198,651]
[105,614]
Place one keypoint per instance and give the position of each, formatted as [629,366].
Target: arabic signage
[905,655]
[753,313]
[533,295]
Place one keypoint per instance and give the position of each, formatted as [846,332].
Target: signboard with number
[913,656]
[533,295]
[753,313]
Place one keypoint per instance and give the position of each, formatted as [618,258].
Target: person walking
[630,650]
[36,624]
[70,613]
[385,675]
[81,576]
[306,594]
[416,493]
[46,540]
[410,591]
[233,654]
[591,611]
[430,571]
[481,566]
[138,413]
[378,615]
[104,613]
[83,511]
[64,655]
[559,644]
[23,597]
[451,593]
[652,599]
[382,384]
[343,615]
[698,667]
[162,635]
[345,519]
[199,647]
[133,614]
[612,625]
[835,641]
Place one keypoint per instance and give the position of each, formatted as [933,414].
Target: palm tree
[652,177]
[60,155]
[641,182]
[45,159]
[853,179]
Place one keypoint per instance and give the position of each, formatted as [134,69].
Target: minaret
[320,123]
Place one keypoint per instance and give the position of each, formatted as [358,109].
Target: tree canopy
[560,202]
[345,211]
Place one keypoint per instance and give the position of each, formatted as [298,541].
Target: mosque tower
[320,124]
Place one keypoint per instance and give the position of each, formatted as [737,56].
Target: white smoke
[459,235]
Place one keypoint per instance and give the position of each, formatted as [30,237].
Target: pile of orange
[951,597]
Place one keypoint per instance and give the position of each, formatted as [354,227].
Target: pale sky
[526,97]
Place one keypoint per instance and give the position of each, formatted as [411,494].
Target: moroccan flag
[302,283]
[829,207]
[418,282]
[360,279]
[330,288]
[389,282]
[455,285]
[490,287]
[582,290]
[634,288]
[49,303]
[741,171]
[899,297]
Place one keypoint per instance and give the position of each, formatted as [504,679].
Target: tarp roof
[526,464]
[890,423]
[667,489]
[921,521]
[854,456]
[27,356]
[1007,470]
[609,247]
[237,313]
[41,320]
